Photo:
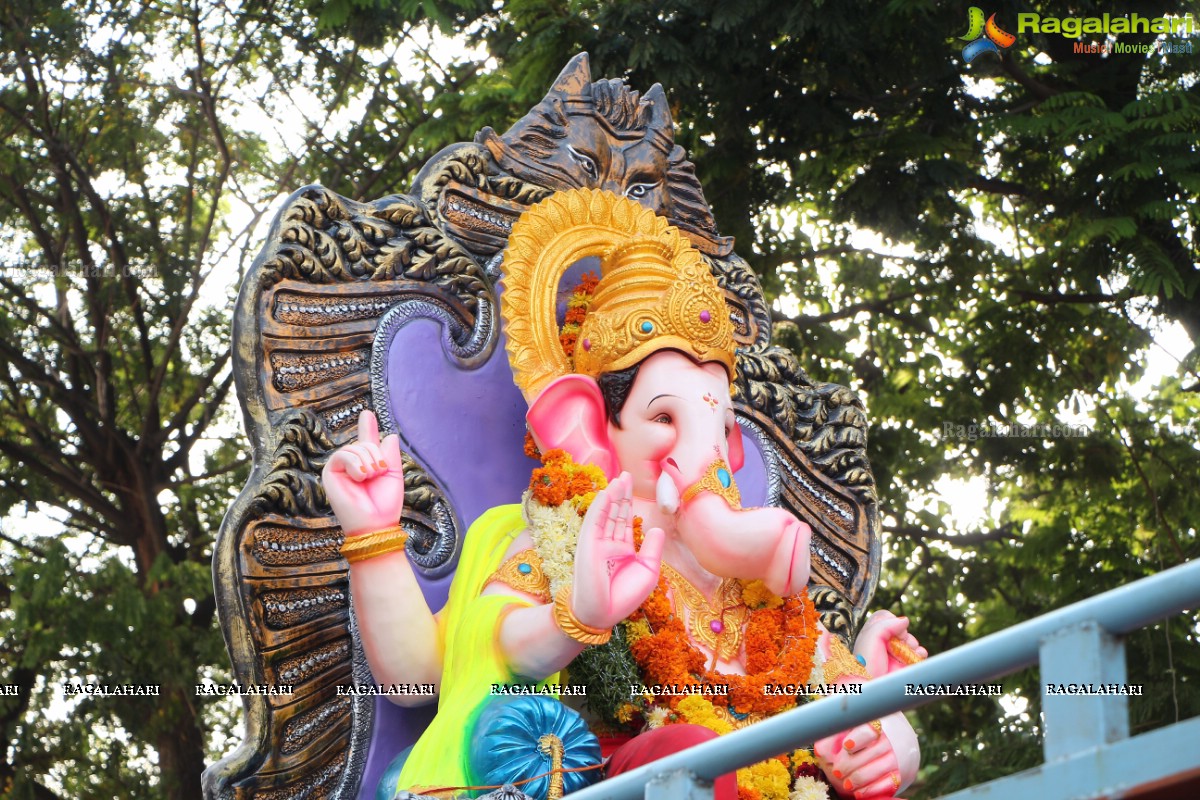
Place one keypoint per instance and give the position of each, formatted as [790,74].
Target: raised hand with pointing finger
[365,486]
[364,480]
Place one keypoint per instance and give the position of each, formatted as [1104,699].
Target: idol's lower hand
[869,763]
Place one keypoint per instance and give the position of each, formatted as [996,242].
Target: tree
[134,174]
[976,244]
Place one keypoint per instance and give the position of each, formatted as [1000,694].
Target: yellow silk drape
[472,661]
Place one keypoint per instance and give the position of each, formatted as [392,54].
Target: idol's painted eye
[665,419]
[639,190]
[586,162]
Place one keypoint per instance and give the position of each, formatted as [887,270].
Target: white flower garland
[807,788]
[555,531]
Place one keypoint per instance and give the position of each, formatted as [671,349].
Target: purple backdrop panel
[752,477]
[467,429]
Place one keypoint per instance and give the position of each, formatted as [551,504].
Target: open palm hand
[612,577]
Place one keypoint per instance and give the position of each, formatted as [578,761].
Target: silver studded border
[468,346]
[770,456]
[820,494]
[362,720]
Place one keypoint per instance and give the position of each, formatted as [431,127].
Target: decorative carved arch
[313,327]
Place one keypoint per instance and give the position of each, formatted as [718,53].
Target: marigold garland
[559,494]
[780,644]
[637,629]
[577,308]
[560,479]
[755,594]
[770,779]
[699,710]
[531,448]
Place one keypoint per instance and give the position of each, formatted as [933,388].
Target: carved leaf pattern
[325,238]
[827,421]
[293,485]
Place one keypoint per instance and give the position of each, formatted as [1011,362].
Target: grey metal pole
[1118,611]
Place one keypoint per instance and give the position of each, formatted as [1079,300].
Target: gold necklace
[718,627]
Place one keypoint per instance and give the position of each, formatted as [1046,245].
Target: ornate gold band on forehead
[655,291]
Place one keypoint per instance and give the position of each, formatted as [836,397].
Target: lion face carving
[603,135]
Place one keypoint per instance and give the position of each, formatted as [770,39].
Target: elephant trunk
[769,544]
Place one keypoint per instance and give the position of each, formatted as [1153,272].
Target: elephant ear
[569,415]
[737,454]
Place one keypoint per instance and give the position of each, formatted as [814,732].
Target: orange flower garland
[780,641]
[531,448]
[560,479]
[779,636]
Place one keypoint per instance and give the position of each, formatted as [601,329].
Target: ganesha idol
[642,606]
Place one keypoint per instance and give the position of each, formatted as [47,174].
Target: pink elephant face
[676,421]
[677,409]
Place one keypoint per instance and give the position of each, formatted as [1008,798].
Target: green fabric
[472,661]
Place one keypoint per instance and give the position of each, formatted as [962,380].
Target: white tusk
[668,494]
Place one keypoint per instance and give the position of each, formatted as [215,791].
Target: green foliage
[134,178]
[981,244]
[607,671]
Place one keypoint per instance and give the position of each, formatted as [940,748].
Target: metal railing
[1086,737]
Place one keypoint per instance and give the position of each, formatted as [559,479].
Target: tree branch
[881,307]
[997,186]
[37,551]
[1035,87]
[74,484]
[1051,298]
[1005,531]
[188,438]
[225,470]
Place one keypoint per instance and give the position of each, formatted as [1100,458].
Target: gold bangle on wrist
[572,627]
[369,545]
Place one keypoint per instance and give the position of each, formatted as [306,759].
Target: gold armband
[842,663]
[369,545]
[584,634]
[524,573]
[718,480]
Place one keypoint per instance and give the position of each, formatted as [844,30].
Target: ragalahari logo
[984,37]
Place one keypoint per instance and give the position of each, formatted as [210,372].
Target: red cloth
[661,742]
[610,744]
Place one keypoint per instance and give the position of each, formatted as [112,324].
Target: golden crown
[655,291]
